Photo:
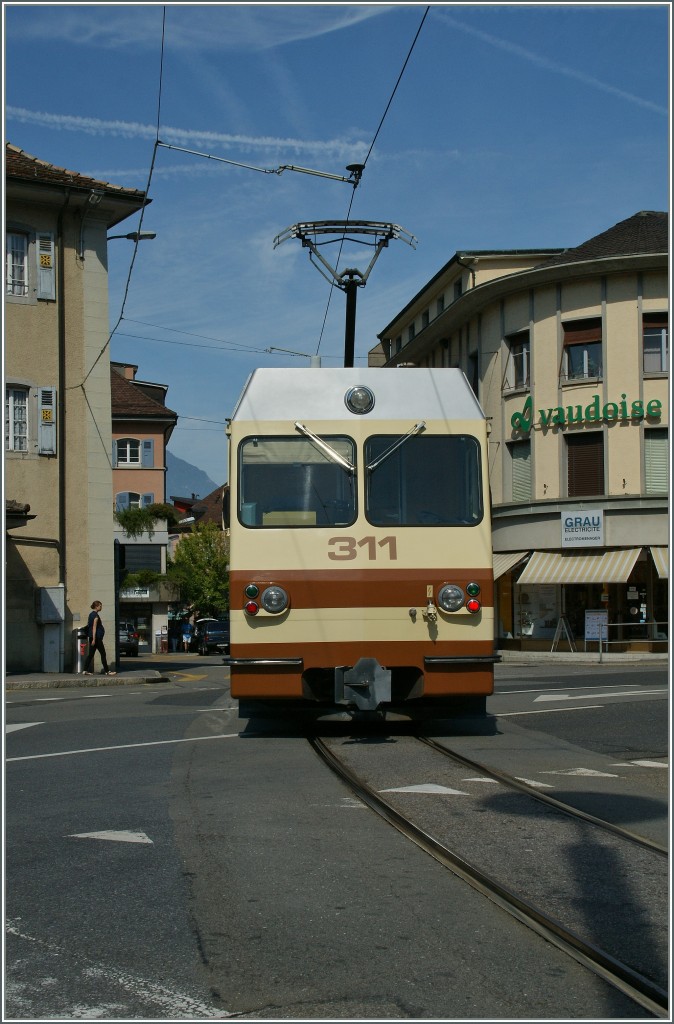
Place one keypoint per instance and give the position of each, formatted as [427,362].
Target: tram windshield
[296,481]
[430,480]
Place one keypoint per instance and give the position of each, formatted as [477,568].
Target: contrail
[549,65]
[136,130]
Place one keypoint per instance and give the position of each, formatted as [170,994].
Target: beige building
[58,437]
[567,351]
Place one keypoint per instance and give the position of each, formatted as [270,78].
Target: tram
[361,575]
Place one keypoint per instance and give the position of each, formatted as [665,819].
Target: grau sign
[583,528]
[594,412]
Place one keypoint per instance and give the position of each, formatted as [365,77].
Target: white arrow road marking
[21,725]
[593,696]
[642,764]
[532,782]
[582,771]
[495,782]
[115,837]
[428,787]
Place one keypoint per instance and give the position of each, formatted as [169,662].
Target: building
[58,479]
[142,425]
[567,351]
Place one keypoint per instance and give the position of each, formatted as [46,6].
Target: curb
[45,683]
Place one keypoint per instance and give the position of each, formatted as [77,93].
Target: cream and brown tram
[361,561]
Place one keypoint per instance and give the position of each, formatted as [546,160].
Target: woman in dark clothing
[96,632]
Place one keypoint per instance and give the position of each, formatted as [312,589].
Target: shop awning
[505,560]
[661,558]
[555,567]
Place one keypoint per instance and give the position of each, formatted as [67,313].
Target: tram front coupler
[367,685]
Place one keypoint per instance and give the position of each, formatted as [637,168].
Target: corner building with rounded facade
[568,353]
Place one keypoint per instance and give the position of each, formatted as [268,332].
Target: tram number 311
[347,548]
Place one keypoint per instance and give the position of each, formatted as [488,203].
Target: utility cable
[142,211]
[367,157]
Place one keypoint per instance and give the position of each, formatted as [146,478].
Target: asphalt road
[166,860]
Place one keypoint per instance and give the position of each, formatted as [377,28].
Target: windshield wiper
[416,429]
[325,447]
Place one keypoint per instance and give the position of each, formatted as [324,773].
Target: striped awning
[505,560]
[554,567]
[661,558]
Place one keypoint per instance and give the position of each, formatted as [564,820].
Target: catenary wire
[367,157]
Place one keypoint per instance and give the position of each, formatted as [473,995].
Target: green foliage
[200,568]
[137,521]
[142,578]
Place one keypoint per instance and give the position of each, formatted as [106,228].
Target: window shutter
[114,455]
[146,499]
[585,454]
[46,421]
[121,501]
[656,458]
[148,453]
[46,279]
[521,456]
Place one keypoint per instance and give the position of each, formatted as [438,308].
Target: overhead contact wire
[369,152]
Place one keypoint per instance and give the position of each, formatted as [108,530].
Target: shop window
[585,464]
[656,461]
[142,556]
[656,342]
[582,355]
[520,454]
[517,369]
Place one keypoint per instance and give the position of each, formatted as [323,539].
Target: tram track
[545,798]
[645,991]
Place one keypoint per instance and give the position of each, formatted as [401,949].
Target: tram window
[290,481]
[428,481]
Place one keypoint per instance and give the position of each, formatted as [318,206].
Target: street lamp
[136,236]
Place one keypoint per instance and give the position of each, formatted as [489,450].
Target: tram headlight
[359,400]
[274,600]
[450,598]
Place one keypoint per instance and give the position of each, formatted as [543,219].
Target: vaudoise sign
[594,412]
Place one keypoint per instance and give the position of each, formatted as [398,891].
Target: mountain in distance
[183,479]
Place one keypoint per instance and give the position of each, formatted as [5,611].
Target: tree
[200,568]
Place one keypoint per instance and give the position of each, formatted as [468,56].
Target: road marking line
[534,783]
[581,771]
[175,1004]
[125,746]
[593,696]
[21,725]
[544,711]
[113,836]
[495,782]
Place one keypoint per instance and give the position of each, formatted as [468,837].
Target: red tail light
[251,607]
[473,605]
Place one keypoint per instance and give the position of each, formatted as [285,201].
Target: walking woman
[96,632]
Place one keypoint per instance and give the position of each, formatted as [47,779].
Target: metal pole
[350,288]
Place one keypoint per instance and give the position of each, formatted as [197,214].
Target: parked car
[127,639]
[211,635]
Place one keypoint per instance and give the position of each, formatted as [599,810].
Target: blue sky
[513,126]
